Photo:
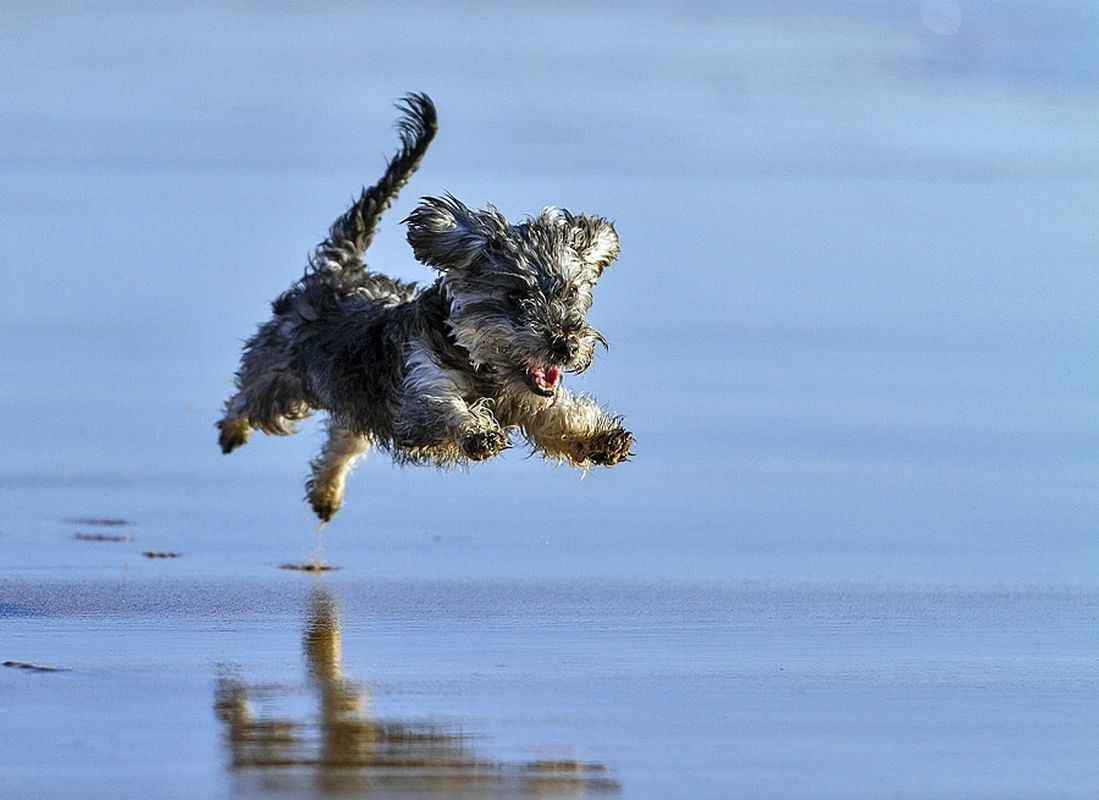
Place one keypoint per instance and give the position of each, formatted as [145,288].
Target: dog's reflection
[343,749]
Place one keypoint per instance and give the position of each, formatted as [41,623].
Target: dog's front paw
[609,447]
[484,444]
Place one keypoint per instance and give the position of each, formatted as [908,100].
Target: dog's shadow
[342,749]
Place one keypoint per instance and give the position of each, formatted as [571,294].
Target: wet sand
[310,686]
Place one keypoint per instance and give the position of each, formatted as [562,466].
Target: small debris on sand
[312,566]
[31,667]
[563,766]
[103,537]
[316,558]
[106,522]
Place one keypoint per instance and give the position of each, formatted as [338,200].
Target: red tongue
[545,377]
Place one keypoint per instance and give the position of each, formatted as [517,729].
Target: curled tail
[352,233]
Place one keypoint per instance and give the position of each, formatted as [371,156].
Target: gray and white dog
[443,374]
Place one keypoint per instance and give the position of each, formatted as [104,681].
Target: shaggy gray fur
[444,374]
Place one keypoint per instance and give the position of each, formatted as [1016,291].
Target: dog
[445,374]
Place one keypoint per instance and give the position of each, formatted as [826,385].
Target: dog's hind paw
[232,433]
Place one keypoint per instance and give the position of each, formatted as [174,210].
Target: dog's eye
[571,292]
[515,297]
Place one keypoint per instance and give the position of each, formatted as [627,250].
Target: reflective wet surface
[341,747]
[325,686]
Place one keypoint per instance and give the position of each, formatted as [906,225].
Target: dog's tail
[352,233]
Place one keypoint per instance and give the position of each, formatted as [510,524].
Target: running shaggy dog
[445,374]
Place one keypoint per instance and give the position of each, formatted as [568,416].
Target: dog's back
[272,394]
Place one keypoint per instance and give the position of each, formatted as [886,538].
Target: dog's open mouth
[543,379]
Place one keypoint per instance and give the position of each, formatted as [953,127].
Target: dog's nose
[564,347]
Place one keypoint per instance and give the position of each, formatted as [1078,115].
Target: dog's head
[519,294]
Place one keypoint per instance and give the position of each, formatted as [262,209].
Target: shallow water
[852,327]
[513,688]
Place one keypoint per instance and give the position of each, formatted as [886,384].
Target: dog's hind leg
[270,396]
[339,454]
[272,404]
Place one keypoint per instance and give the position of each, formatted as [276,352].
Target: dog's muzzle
[543,379]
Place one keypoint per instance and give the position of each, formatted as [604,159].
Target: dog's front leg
[578,430]
[435,414]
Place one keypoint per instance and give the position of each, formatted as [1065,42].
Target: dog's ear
[595,240]
[446,234]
